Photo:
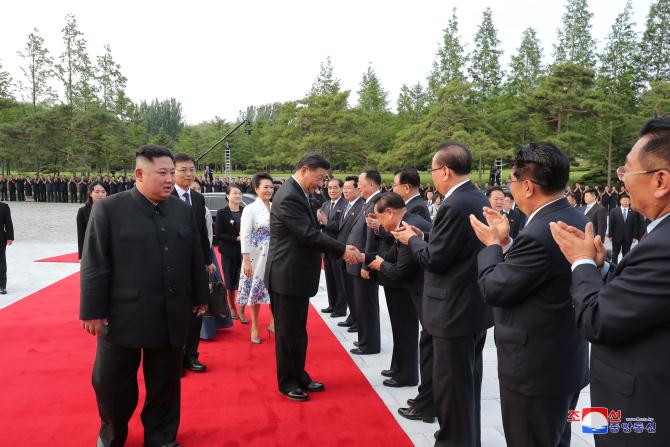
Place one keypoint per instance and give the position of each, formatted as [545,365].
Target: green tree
[111,82]
[326,83]
[412,104]
[619,72]
[656,100]
[5,84]
[575,43]
[371,96]
[450,60]
[655,46]
[165,115]
[526,65]
[38,70]
[75,70]
[484,69]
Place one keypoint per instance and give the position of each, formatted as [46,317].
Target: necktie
[187,198]
[346,213]
[625,213]
[331,213]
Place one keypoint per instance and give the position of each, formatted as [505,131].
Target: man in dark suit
[513,215]
[397,264]
[329,216]
[142,276]
[366,291]
[6,238]
[293,271]
[184,177]
[623,227]
[626,317]
[595,212]
[351,211]
[406,184]
[542,358]
[454,312]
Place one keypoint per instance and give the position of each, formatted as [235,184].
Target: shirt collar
[654,223]
[538,210]
[453,188]
[300,186]
[147,206]
[412,198]
[355,200]
[181,191]
[370,198]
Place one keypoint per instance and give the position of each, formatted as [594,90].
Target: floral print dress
[255,240]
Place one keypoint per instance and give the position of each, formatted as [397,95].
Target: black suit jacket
[540,350]
[227,230]
[347,222]
[598,215]
[6,226]
[296,243]
[452,303]
[516,222]
[623,232]
[142,269]
[419,207]
[332,227]
[198,206]
[83,214]
[627,320]
[363,237]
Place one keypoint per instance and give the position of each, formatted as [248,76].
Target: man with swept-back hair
[142,275]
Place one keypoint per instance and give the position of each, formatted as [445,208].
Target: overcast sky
[218,57]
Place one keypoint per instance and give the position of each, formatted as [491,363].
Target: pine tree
[5,84]
[575,43]
[619,74]
[655,47]
[74,69]
[484,69]
[526,65]
[371,96]
[449,61]
[110,80]
[38,70]
[412,103]
[325,83]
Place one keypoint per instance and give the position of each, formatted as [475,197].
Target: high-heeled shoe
[271,332]
[255,340]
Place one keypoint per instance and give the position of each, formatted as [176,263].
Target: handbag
[218,304]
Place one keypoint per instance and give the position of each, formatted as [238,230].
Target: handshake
[353,256]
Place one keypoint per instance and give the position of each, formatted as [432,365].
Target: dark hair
[89,191]
[313,161]
[182,157]
[340,183]
[544,164]
[658,129]
[231,186]
[624,196]
[455,156]
[373,175]
[352,178]
[196,180]
[408,176]
[151,151]
[258,177]
[572,195]
[494,188]
[389,200]
[437,196]
[509,194]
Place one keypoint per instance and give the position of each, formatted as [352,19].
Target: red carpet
[68,258]
[47,398]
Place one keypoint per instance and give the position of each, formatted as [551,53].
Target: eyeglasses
[185,170]
[393,185]
[621,172]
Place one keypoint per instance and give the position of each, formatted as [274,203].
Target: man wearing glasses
[626,315]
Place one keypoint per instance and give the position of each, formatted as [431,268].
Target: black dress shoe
[388,372]
[297,394]
[344,323]
[327,310]
[359,351]
[410,402]
[194,365]
[353,329]
[314,387]
[394,383]
[356,343]
[411,414]
[337,315]
[3,291]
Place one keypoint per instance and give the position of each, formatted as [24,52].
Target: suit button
[162,228]
[168,268]
[170,289]
[165,248]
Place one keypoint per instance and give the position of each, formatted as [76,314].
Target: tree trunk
[609,159]
[481,168]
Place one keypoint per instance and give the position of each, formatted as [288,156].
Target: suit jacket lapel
[301,193]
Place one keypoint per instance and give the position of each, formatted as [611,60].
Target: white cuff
[506,248]
[603,271]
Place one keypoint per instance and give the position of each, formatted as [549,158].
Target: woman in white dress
[255,242]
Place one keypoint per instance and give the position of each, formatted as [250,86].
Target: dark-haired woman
[96,191]
[228,221]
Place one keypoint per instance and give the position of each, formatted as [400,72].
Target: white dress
[255,240]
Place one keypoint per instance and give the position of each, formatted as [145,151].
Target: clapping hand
[321,217]
[405,233]
[376,264]
[352,255]
[372,221]
[497,230]
[576,244]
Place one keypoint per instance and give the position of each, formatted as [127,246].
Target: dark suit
[346,223]
[598,215]
[455,315]
[292,275]
[198,206]
[628,323]
[142,270]
[226,237]
[366,291]
[83,214]
[331,264]
[542,358]
[516,222]
[623,231]
[416,205]
[6,234]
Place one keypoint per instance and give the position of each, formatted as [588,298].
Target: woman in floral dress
[255,242]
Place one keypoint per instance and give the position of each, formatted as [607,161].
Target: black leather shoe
[314,387]
[356,344]
[3,291]
[387,373]
[194,365]
[410,402]
[353,329]
[337,315]
[297,394]
[411,414]
[344,324]
[394,383]
[327,310]
[359,351]
[435,434]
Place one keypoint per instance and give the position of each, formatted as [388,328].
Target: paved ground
[44,230]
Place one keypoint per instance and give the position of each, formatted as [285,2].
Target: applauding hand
[576,244]
[497,230]
[405,233]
